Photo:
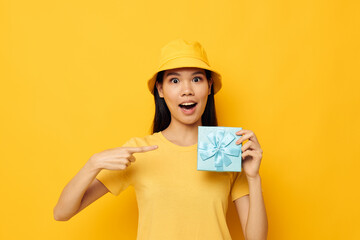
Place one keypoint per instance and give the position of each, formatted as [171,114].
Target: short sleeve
[116,181]
[240,186]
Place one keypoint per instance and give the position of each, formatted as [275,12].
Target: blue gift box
[217,149]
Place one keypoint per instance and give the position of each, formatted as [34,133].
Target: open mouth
[187,106]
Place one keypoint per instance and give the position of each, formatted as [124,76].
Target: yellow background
[73,83]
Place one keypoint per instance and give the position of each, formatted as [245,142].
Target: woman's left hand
[251,153]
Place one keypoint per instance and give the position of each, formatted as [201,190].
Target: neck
[182,134]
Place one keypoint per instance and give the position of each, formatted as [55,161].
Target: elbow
[256,237]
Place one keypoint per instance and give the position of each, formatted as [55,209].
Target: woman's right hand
[84,188]
[118,158]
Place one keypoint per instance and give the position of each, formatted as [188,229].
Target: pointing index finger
[141,149]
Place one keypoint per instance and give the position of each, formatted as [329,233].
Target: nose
[187,89]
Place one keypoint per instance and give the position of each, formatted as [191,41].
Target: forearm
[71,197]
[257,224]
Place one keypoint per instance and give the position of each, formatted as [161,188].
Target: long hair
[162,116]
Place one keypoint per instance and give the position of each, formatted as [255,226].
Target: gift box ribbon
[219,146]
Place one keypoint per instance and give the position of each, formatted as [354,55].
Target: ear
[210,84]
[159,88]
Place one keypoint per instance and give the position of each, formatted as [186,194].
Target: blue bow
[219,147]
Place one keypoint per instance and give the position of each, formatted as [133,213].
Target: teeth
[186,104]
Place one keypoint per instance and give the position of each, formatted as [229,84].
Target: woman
[175,200]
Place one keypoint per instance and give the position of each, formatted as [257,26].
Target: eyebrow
[177,74]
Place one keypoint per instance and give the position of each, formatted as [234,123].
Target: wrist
[254,178]
[92,166]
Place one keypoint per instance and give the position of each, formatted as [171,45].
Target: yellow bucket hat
[182,53]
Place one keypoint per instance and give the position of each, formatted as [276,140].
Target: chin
[189,121]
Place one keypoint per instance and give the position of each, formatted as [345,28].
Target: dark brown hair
[162,116]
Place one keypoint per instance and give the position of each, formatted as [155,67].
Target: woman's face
[185,91]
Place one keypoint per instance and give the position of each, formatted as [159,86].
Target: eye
[174,80]
[197,79]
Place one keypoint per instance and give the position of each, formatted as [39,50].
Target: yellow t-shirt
[175,200]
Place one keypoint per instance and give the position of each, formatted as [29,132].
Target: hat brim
[181,62]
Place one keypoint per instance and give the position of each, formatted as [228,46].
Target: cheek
[169,90]
[170,103]
[169,98]
[203,93]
